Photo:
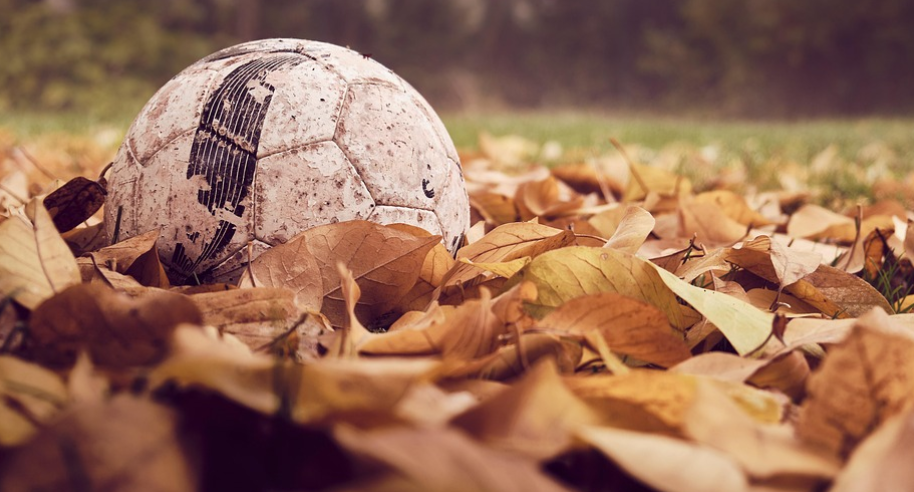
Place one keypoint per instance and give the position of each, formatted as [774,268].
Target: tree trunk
[248,27]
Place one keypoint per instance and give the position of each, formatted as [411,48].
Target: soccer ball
[258,142]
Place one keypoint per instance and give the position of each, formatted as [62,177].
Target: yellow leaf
[574,271]
[35,262]
[502,269]
[745,327]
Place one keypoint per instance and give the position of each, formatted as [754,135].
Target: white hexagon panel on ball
[258,142]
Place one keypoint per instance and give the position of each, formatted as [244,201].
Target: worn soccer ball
[260,141]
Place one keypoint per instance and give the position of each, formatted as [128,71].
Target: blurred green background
[812,95]
[749,59]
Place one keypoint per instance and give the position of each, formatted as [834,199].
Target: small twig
[858,222]
[105,169]
[247,267]
[35,162]
[631,165]
[601,180]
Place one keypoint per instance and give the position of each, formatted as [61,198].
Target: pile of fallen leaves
[602,328]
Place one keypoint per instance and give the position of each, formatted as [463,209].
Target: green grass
[799,141]
[867,151]
[794,140]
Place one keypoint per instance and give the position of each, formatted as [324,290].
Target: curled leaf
[116,330]
[35,262]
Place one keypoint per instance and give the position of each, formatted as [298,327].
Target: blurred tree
[756,57]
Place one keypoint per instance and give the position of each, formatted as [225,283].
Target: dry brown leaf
[136,257]
[266,319]
[83,240]
[535,416]
[815,222]
[865,380]
[290,266]
[35,262]
[733,206]
[30,395]
[467,331]
[85,385]
[409,335]
[123,445]
[509,305]
[786,373]
[812,221]
[882,461]
[434,269]
[607,221]
[516,240]
[586,177]
[655,180]
[786,304]
[505,269]
[363,391]
[709,224]
[658,401]
[837,293]
[630,327]
[74,202]
[635,226]
[93,273]
[504,244]
[764,450]
[427,405]
[384,261]
[495,208]
[774,261]
[806,331]
[720,365]
[116,330]
[445,460]
[546,198]
[641,400]
[667,464]
[510,361]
